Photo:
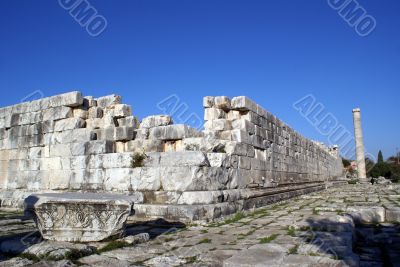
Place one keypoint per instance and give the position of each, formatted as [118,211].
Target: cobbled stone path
[310,230]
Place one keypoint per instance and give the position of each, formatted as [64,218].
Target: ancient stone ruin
[244,158]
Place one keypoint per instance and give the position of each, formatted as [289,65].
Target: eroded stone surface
[79,217]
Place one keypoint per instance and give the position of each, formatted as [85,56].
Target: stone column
[362,174]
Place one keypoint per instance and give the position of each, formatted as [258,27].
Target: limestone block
[81,113]
[71,99]
[120,147]
[69,124]
[193,178]
[257,164]
[62,150]
[124,133]
[257,141]
[70,136]
[58,179]
[244,162]
[222,102]
[46,126]
[118,179]
[108,120]
[182,158]
[224,135]
[79,162]
[99,147]
[27,118]
[200,197]
[35,152]
[173,132]
[241,136]
[218,125]
[233,115]
[243,103]
[119,110]
[208,101]
[214,113]
[244,125]
[367,214]
[53,163]
[142,133]
[260,154]
[57,113]
[146,179]
[95,123]
[130,121]
[261,111]
[115,160]
[143,145]
[79,217]
[95,112]
[92,147]
[252,117]
[155,121]
[109,100]
[218,159]
[88,102]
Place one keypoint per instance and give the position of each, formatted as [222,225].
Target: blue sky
[275,52]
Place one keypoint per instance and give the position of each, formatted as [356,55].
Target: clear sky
[275,52]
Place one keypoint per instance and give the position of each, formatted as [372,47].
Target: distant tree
[380,157]
[381,169]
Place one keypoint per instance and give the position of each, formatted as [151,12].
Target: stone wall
[244,157]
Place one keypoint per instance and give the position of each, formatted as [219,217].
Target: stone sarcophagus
[79,217]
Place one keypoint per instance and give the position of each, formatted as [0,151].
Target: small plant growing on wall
[138,159]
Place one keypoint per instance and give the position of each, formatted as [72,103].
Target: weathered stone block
[95,112]
[143,145]
[222,102]
[146,179]
[182,158]
[367,214]
[79,217]
[173,132]
[193,178]
[214,113]
[109,100]
[208,101]
[155,121]
[243,103]
[218,125]
[71,99]
[69,124]
[117,179]
[57,113]
[81,113]
[119,110]
[124,133]
[129,121]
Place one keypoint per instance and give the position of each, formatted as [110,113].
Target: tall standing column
[362,174]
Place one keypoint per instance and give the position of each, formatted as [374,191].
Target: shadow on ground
[354,245]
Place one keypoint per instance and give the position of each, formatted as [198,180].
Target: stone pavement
[352,225]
